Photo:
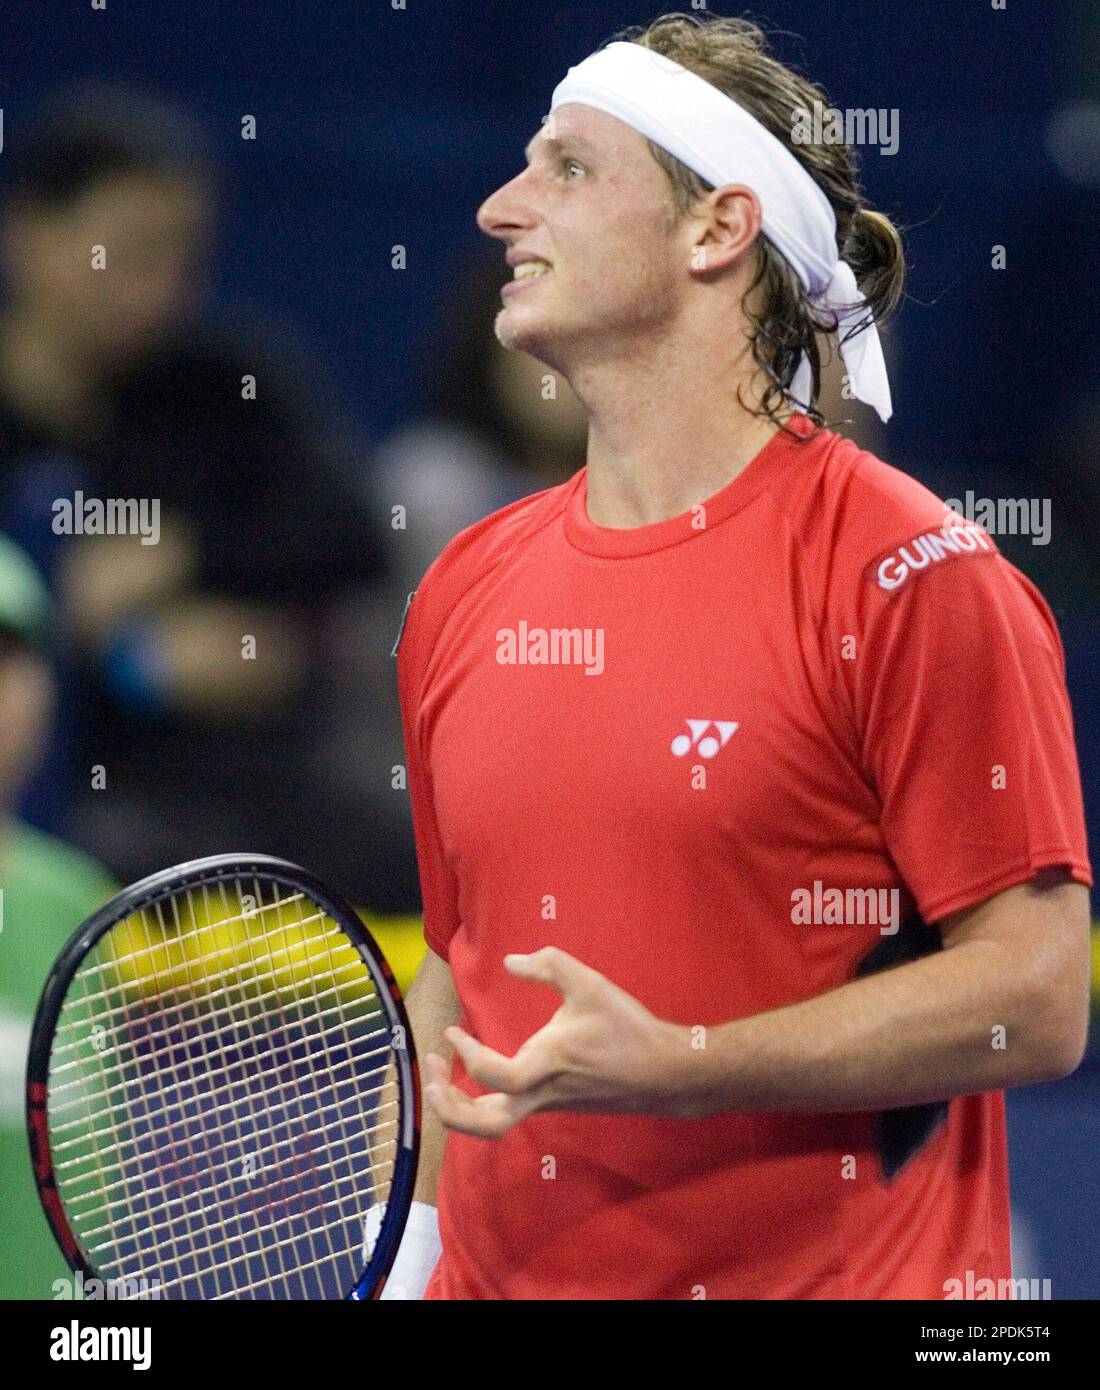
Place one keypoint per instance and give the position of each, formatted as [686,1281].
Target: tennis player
[743,776]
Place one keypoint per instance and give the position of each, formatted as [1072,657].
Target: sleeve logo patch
[954,538]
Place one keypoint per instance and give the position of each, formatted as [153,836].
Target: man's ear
[726,225]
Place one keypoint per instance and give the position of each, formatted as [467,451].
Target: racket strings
[118,1087]
[277,1248]
[97,1003]
[173,942]
[205,1084]
[259,1227]
[372,1144]
[252,1111]
[313,1230]
[79,1161]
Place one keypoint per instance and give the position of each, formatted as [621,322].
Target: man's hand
[602,1051]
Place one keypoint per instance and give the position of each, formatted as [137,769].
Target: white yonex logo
[707,747]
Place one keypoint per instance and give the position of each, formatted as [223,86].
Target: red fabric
[550,808]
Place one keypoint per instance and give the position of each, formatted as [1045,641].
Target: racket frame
[146,893]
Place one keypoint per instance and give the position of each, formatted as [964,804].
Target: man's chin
[520,332]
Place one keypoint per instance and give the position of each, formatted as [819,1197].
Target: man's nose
[507,211]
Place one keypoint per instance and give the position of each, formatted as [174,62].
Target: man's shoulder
[472,555]
[853,499]
[848,511]
[479,548]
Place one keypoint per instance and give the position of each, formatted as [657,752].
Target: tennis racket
[221,1086]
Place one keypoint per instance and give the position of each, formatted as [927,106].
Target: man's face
[153,228]
[596,209]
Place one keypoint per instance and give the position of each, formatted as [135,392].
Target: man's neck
[666,430]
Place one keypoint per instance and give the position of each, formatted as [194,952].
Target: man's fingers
[552,966]
[486,1117]
[493,1069]
[448,1102]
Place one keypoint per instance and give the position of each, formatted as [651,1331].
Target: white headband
[710,133]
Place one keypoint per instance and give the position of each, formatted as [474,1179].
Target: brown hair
[732,54]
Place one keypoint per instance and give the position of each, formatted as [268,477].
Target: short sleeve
[438,885]
[966,732]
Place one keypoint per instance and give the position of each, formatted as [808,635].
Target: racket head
[219,1021]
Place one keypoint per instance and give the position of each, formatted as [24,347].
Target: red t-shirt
[659,749]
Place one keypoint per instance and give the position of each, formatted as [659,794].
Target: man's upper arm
[1039,932]
[966,732]
[434,984]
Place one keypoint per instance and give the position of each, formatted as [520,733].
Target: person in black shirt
[196,652]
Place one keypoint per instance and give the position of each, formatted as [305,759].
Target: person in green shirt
[47,888]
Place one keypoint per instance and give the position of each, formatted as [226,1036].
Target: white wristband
[417,1255]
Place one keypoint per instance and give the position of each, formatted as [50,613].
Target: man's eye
[570,164]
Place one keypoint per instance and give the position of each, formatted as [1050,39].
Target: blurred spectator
[497,426]
[110,387]
[48,890]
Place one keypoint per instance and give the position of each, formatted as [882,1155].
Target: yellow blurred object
[213,943]
[156,955]
[401,941]
[1096,965]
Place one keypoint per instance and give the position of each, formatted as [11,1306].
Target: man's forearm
[432,1006]
[432,1138]
[958,1022]
[1003,1004]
